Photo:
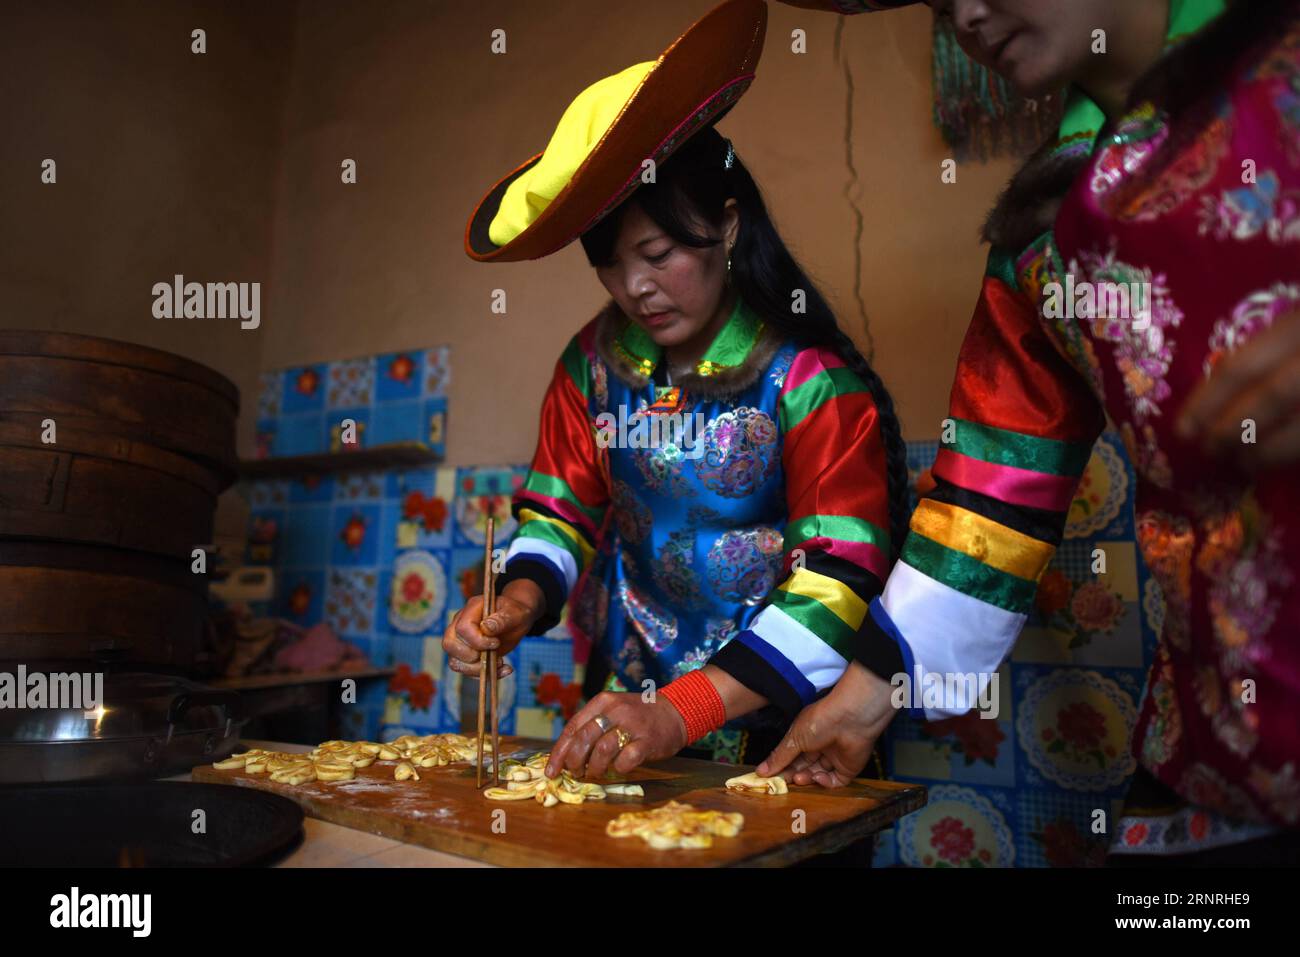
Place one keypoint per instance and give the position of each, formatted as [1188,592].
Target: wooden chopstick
[489,599]
[494,657]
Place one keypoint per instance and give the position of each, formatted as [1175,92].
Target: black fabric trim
[863,583]
[1037,523]
[877,651]
[542,575]
[749,668]
[541,509]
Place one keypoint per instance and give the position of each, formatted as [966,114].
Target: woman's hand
[1261,382]
[653,730]
[831,739]
[464,640]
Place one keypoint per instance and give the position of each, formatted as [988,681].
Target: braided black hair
[693,186]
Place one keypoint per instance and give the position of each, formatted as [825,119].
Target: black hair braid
[766,274]
[691,190]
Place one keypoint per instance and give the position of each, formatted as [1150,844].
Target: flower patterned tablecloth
[1042,784]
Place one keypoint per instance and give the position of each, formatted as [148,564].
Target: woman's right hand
[518,607]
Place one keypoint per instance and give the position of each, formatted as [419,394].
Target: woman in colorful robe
[1185,182]
[772,512]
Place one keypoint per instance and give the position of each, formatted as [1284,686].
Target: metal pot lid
[56,704]
[146,824]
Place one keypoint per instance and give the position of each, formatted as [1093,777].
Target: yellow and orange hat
[595,157]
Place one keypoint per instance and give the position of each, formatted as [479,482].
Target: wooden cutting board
[444,811]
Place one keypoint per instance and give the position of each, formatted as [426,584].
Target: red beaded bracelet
[698,702]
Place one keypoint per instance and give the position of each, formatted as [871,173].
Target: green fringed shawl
[977,111]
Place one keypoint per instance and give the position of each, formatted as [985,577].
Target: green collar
[1083,118]
[730,348]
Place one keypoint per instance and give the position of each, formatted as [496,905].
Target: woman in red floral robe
[1145,265]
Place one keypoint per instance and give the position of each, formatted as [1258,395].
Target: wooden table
[333,845]
[444,811]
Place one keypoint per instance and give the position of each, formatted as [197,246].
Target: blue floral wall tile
[351,599]
[347,429]
[1060,749]
[400,376]
[300,434]
[264,531]
[302,389]
[315,488]
[1061,830]
[269,388]
[395,397]
[336,542]
[437,371]
[305,540]
[300,595]
[264,438]
[435,424]
[351,383]
[268,493]
[396,422]
[360,487]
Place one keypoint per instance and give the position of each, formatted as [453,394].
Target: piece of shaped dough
[753,784]
[674,825]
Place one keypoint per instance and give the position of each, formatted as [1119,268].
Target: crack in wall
[859,219]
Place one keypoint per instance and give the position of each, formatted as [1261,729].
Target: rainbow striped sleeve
[836,536]
[561,505]
[1020,430]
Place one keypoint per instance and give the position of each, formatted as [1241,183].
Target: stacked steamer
[97,528]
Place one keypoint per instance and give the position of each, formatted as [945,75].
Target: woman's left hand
[1260,382]
[831,740]
[652,730]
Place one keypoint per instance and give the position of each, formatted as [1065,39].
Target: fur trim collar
[723,384]
[1027,208]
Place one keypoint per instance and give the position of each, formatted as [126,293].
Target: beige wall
[227,167]
[165,165]
[433,119]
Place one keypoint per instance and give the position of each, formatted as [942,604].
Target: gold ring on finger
[623,738]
